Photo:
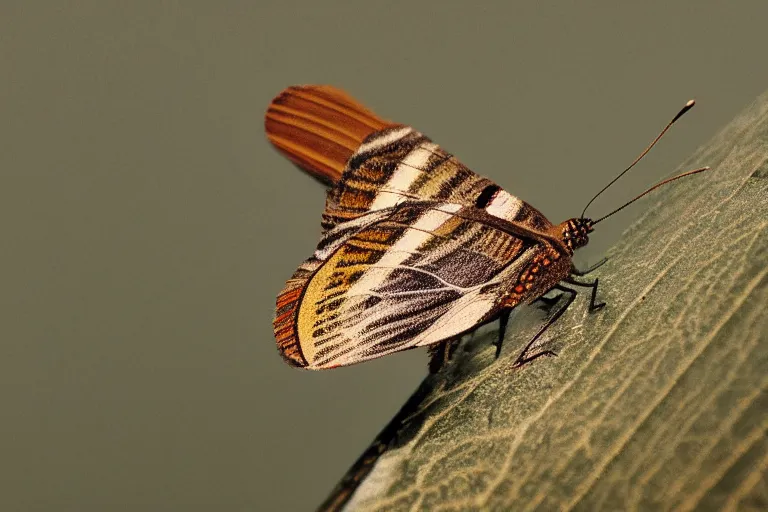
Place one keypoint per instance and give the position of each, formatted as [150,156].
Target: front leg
[547,303]
[593,304]
[588,270]
[522,358]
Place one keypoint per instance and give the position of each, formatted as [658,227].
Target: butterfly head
[575,232]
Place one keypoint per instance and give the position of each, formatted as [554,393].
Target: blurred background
[147,225]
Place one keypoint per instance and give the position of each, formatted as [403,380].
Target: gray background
[147,225]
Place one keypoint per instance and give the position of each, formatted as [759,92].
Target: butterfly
[416,248]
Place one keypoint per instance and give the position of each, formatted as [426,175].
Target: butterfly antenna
[668,180]
[683,110]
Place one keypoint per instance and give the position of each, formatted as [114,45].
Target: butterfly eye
[486,195]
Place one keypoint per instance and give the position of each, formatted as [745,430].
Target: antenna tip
[683,110]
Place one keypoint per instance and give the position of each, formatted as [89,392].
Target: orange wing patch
[284,324]
[319,127]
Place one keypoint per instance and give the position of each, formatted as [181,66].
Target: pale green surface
[657,402]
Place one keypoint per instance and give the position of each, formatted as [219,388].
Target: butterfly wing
[399,164]
[319,127]
[373,163]
[417,248]
[409,275]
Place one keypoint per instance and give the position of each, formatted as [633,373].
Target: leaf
[656,402]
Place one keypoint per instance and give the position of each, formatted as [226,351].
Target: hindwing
[409,275]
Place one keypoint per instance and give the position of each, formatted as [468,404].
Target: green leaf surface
[657,402]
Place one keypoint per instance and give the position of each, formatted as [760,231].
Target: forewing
[420,274]
[373,164]
[399,164]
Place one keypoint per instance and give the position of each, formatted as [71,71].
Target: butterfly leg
[440,354]
[522,359]
[593,304]
[503,321]
[547,303]
[582,273]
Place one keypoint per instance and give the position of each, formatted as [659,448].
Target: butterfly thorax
[552,262]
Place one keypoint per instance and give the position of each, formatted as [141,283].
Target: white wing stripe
[383,140]
[348,229]
[407,171]
[401,250]
[504,205]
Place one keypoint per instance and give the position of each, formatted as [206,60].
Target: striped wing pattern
[399,266]
[319,127]
[400,164]
[414,278]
